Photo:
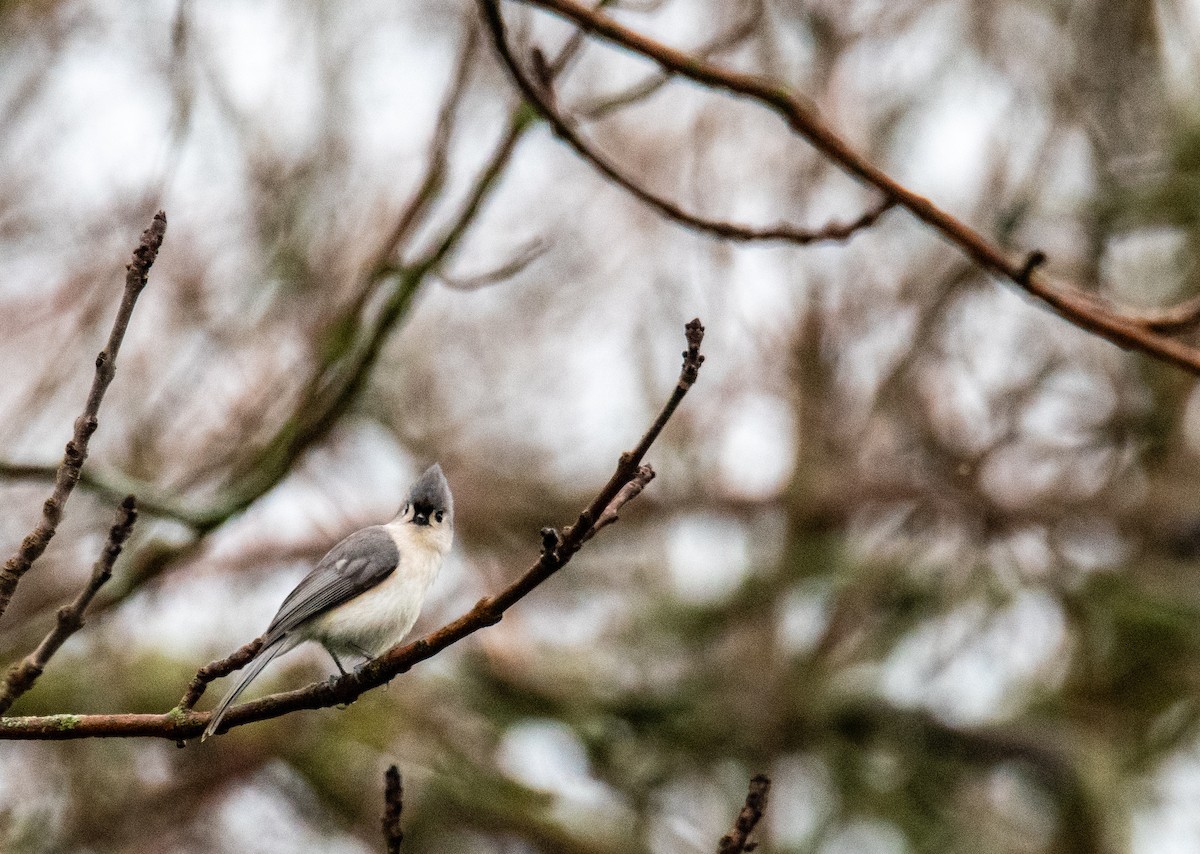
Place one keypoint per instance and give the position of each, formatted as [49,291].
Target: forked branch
[69,469]
[540,96]
[182,723]
[70,617]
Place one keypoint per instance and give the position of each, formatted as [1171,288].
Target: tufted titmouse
[365,594]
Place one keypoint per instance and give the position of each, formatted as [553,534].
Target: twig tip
[1033,260]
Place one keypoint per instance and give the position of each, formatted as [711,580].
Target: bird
[365,594]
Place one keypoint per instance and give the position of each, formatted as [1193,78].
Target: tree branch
[70,617]
[541,96]
[181,723]
[1083,309]
[738,840]
[215,670]
[628,492]
[393,805]
[68,473]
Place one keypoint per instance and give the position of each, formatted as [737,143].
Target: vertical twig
[738,840]
[393,803]
[68,473]
[70,617]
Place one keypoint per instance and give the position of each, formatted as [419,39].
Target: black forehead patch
[431,492]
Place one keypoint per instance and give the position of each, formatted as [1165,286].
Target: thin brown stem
[68,473]
[216,669]
[69,620]
[628,492]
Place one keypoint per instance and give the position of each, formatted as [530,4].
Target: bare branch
[1073,304]
[525,256]
[181,723]
[70,617]
[68,473]
[605,106]
[215,670]
[393,805]
[542,100]
[738,840]
[1176,318]
[628,492]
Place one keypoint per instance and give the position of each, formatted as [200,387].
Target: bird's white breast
[381,617]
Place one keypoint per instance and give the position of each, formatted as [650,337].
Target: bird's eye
[437,517]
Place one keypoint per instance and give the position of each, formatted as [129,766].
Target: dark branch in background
[70,617]
[393,804]
[738,33]
[1081,308]
[525,256]
[109,486]
[85,425]
[181,723]
[541,98]
[738,840]
[437,160]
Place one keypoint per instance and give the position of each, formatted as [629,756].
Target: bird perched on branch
[365,594]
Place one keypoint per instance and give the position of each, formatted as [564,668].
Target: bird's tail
[252,670]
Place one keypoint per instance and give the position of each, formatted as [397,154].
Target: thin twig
[67,477]
[180,723]
[1176,318]
[526,255]
[22,676]
[628,492]
[542,100]
[1073,304]
[216,669]
[738,840]
[605,106]
[393,805]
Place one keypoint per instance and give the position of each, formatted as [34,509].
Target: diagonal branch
[236,660]
[181,723]
[1083,309]
[68,473]
[70,617]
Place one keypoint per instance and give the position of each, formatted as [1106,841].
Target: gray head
[429,500]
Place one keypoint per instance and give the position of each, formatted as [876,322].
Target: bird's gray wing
[353,566]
